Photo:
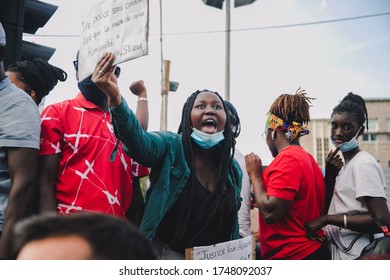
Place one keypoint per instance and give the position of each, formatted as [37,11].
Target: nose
[338,132]
[210,110]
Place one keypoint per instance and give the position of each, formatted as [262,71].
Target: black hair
[110,238]
[235,120]
[39,75]
[223,192]
[353,104]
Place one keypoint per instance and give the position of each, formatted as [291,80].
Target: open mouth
[209,126]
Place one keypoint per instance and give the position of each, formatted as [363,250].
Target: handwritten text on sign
[118,26]
[240,249]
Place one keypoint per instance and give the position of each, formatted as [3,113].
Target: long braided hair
[292,107]
[39,75]
[353,104]
[223,191]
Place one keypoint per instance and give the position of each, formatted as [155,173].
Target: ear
[33,95]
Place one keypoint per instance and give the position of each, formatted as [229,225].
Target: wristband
[345,221]
[142,99]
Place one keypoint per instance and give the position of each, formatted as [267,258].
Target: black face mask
[91,92]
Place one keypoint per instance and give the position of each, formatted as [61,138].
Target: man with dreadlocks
[36,77]
[357,195]
[291,190]
[194,193]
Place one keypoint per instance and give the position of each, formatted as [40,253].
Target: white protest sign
[118,26]
[240,249]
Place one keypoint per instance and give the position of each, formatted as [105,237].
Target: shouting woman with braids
[357,194]
[36,77]
[291,190]
[194,191]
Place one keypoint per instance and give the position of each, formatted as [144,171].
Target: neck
[348,156]
[206,154]
[284,143]
[206,162]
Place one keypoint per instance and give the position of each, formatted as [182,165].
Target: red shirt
[87,180]
[293,175]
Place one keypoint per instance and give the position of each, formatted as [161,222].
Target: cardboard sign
[240,249]
[118,26]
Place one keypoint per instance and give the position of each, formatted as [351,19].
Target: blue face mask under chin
[350,145]
[206,140]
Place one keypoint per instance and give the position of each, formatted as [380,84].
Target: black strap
[383,228]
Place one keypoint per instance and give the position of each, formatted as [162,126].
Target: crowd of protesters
[71,170]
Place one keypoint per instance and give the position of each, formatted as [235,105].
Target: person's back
[291,190]
[302,183]
[19,144]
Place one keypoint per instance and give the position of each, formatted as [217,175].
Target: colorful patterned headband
[291,131]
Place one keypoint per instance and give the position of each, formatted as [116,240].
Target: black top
[200,232]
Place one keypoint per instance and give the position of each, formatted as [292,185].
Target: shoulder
[170,139]
[168,136]
[18,107]
[364,157]
[291,155]
[365,160]
[57,108]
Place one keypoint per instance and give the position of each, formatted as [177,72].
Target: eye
[200,106]
[347,127]
[217,107]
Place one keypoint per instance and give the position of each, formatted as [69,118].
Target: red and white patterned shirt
[87,180]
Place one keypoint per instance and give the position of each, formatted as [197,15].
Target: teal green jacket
[163,152]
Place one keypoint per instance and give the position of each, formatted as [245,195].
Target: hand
[102,78]
[333,164]
[254,165]
[138,88]
[314,228]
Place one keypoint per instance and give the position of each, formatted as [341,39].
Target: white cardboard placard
[118,26]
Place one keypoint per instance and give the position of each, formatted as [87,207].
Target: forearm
[47,201]
[244,211]
[145,148]
[19,206]
[266,207]
[49,168]
[142,111]
[360,222]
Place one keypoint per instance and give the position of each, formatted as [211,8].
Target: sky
[326,47]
